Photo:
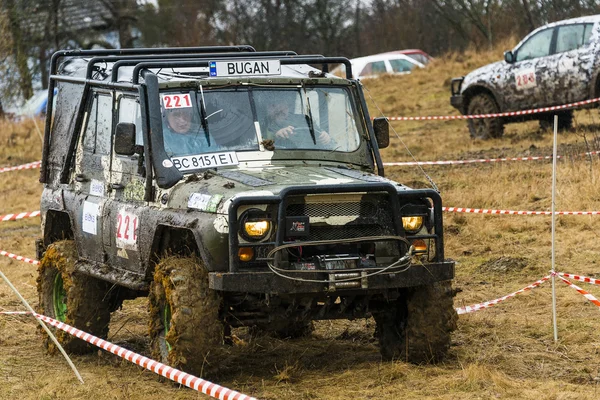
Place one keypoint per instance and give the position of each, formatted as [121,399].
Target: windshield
[254,118]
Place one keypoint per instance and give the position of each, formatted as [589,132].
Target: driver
[281,124]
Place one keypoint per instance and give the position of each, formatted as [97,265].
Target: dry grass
[503,352]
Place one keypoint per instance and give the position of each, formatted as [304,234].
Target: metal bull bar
[281,200]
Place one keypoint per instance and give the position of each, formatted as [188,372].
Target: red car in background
[415,54]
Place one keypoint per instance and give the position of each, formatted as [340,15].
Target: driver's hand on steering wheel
[285,132]
[324,138]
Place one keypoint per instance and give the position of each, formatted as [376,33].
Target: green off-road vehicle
[266,207]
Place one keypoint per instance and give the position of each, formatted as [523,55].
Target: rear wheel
[185,328]
[484,128]
[565,121]
[417,327]
[73,298]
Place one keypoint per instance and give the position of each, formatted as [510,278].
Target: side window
[402,65]
[536,46]
[374,68]
[98,130]
[587,33]
[570,37]
[129,111]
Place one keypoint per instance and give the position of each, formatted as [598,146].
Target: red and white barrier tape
[487,304]
[14,217]
[513,212]
[481,160]
[191,381]
[35,164]
[496,115]
[19,258]
[587,295]
[581,278]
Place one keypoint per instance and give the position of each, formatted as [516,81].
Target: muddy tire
[417,327]
[485,128]
[71,297]
[185,329]
[565,121]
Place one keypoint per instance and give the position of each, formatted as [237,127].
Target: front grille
[371,216]
[332,209]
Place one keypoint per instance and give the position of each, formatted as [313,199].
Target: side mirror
[125,139]
[381,126]
[509,57]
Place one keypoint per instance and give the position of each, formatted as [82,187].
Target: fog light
[246,254]
[419,246]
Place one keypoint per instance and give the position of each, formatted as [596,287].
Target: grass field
[506,351]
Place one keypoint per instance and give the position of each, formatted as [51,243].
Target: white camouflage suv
[556,64]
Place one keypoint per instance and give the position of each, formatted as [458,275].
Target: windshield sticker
[171,101]
[187,163]
[525,78]
[204,202]
[90,217]
[245,68]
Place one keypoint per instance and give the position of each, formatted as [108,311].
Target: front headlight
[257,229]
[255,225]
[412,224]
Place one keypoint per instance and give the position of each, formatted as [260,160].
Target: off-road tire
[195,331]
[484,128]
[88,300]
[417,327]
[565,121]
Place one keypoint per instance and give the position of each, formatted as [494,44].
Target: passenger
[182,135]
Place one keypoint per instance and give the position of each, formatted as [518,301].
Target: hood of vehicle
[486,73]
[210,191]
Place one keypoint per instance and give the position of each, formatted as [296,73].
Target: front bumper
[268,282]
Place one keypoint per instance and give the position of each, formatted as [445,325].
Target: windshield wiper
[203,117]
[308,116]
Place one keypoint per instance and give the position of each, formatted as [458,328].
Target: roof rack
[132,61]
[290,60]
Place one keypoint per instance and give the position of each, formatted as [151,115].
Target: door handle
[117,186]
[81,178]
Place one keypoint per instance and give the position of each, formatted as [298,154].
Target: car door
[569,68]
[523,83]
[123,215]
[91,175]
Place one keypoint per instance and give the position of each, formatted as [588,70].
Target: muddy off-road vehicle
[222,220]
[556,64]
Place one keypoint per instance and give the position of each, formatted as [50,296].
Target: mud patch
[505,264]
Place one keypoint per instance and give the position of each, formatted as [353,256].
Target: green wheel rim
[59,299]
[167,324]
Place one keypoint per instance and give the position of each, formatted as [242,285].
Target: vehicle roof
[578,20]
[408,51]
[77,67]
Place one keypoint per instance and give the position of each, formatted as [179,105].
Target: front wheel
[72,297]
[417,327]
[484,128]
[185,328]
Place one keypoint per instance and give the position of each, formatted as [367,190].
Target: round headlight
[254,225]
[412,224]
